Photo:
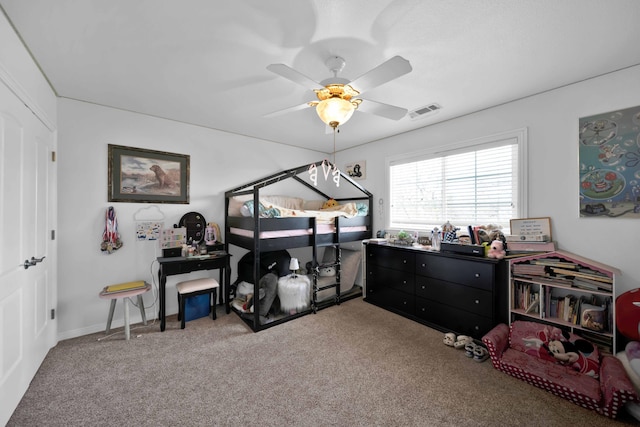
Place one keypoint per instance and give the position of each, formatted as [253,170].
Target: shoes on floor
[469,349]
[449,339]
[462,341]
[480,354]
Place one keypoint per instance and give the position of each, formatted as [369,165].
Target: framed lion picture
[138,175]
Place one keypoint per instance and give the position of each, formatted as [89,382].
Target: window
[475,183]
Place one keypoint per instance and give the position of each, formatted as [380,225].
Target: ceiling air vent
[424,111]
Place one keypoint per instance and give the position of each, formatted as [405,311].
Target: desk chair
[125,290]
[191,288]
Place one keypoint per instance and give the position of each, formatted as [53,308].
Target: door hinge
[53,234]
[53,313]
[53,156]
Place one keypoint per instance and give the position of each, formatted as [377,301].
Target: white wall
[219,161]
[552,122]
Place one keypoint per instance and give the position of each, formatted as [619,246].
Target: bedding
[323,216]
[320,229]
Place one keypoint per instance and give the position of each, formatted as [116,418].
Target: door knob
[31,262]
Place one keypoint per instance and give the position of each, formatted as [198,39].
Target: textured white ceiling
[204,62]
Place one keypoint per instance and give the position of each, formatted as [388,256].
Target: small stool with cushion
[125,290]
[191,288]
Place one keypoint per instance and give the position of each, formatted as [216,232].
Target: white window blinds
[470,186]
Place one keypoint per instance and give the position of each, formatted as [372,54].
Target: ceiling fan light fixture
[335,111]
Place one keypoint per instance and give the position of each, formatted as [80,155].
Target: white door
[27,216]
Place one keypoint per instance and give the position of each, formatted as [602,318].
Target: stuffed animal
[497,250]
[327,271]
[329,204]
[449,232]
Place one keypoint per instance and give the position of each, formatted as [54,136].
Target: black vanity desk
[182,265]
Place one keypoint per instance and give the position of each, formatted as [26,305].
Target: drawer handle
[477,301]
[477,275]
[424,265]
[424,287]
[404,282]
[404,261]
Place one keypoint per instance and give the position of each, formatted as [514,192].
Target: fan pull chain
[334,146]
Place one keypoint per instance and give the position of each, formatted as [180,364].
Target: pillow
[237,202]
[270,212]
[287,202]
[553,344]
[362,208]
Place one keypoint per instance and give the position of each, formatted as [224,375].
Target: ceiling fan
[338,98]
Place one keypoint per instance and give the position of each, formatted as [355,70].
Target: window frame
[520,136]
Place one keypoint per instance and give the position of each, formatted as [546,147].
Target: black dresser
[452,293]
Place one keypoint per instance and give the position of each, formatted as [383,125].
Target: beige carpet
[348,365]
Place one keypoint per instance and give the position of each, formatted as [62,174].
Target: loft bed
[283,223]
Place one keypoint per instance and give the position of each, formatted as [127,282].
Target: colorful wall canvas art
[609,153]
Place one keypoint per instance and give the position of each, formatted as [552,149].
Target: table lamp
[294,266]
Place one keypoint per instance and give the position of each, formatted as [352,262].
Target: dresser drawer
[470,273]
[393,299]
[451,318]
[391,258]
[381,277]
[462,297]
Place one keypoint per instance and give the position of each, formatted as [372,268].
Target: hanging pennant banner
[313,174]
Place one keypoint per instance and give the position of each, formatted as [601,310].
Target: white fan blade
[295,76]
[383,73]
[287,110]
[383,110]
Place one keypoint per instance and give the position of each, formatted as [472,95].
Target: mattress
[321,229]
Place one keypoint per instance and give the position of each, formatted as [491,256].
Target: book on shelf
[533,306]
[512,238]
[592,317]
[547,280]
[592,285]
[528,269]
[555,262]
[553,307]
[569,305]
[531,246]
[583,274]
